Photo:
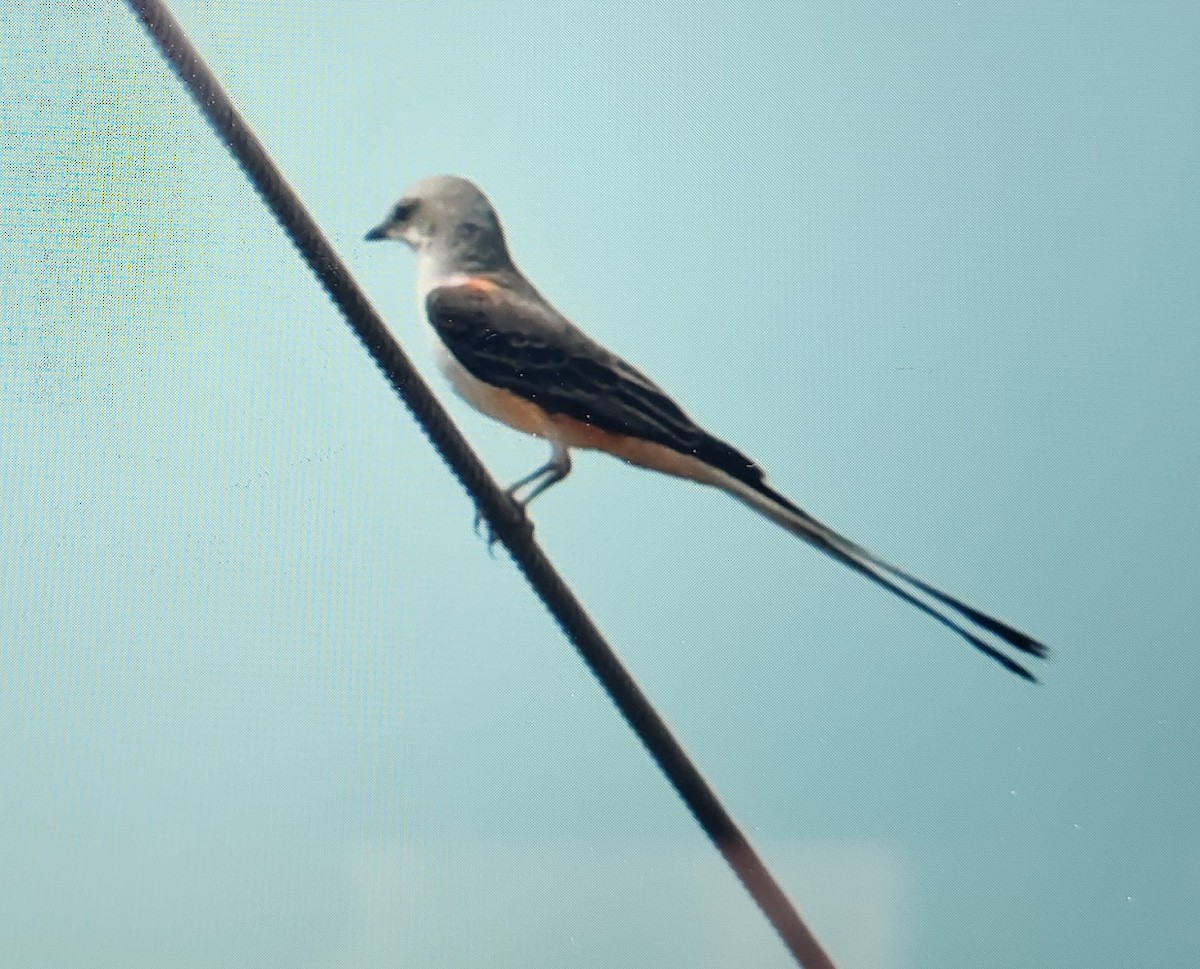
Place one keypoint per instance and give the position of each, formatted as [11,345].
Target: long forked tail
[967,622]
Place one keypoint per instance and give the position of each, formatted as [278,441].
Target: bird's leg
[550,473]
[511,492]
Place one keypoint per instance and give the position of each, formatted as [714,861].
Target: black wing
[523,345]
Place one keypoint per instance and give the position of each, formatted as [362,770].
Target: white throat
[433,272]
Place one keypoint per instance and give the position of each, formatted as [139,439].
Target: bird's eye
[404,211]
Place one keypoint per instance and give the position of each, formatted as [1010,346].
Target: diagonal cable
[508,523]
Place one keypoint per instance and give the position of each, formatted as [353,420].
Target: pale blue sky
[266,701]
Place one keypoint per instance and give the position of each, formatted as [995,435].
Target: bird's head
[445,216]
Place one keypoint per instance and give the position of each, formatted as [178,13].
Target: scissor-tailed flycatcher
[514,357]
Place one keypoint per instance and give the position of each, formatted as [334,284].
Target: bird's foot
[484,528]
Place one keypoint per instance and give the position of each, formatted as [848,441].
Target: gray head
[448,219]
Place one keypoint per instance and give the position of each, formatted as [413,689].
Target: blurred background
[265,700]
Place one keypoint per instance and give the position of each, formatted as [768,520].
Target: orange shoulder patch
[481,284]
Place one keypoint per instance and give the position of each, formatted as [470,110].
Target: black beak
[379,232]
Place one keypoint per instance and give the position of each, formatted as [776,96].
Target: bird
[511,355]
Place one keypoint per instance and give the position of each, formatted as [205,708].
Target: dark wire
[509,526]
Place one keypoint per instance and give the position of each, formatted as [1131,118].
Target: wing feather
[521,344]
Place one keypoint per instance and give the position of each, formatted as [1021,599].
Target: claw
[483,528]
[550,473]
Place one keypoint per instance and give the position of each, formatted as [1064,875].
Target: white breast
[445,360]
[430,275]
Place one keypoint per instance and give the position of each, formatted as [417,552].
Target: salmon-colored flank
[508,408]
[635,450]
[525,415]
